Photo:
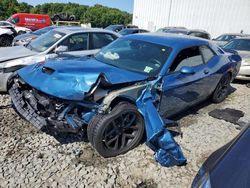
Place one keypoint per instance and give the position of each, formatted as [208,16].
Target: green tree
[98,15]
[7,8]
[24,7]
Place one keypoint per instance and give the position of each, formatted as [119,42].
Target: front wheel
[118,132]
[221,91]
[5,41]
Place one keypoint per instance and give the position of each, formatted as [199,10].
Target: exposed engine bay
[66,115]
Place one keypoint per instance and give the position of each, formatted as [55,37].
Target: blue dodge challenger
[129,89]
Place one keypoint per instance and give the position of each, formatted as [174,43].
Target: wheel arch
[122,98]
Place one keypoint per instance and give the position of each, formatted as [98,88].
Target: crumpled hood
[10,53]
[70,79]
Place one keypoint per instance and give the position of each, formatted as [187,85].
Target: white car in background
[74,41]
[6,37]
[8,31]
[19,30]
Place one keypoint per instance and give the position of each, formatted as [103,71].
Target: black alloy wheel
[221,91]
[117,132]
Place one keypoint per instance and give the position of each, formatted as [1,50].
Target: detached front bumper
[24,109]
[244,73]
[42,110]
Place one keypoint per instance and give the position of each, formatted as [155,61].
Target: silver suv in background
[74,41]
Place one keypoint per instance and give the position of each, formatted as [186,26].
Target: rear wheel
[221,91]
[56,18]
[71,18]
[118,132]
[5,40]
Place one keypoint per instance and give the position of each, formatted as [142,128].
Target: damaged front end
[115,115]
[64,115]
[43,110]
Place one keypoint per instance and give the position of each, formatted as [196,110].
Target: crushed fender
[159,139]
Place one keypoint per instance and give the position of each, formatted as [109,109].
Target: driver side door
[181,88]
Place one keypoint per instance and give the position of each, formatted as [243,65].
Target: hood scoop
[47,70]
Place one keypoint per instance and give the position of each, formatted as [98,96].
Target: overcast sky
[126,5]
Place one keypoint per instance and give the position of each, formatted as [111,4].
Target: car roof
[184,30]
[76,29]
[131,29]
[239,34]
[170,40]
[198,30]
[242,38]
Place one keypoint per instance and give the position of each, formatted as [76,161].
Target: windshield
[135,55]
[126,31]
[45,41]
[114,27]
[238,44]
[226,37]
[43,30]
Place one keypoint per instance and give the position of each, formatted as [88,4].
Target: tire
[5,40]
[221,90]
[71,18]
[56,18]
[117,132]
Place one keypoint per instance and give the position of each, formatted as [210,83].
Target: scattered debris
[77,152]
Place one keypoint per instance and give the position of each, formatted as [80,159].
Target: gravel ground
[33,159]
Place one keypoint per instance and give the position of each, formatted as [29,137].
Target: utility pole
[169,12]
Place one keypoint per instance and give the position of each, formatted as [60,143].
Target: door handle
[206,71]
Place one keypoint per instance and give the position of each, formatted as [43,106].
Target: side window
[99,40]
[207,53]
[190,57]
[15,20]
[76,42]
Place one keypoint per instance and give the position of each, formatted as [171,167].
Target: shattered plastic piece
[159,139]
[77,152]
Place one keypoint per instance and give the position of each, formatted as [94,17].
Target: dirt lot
[33,159]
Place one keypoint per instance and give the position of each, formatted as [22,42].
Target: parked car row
[59,79]
[75,41]
[115,94]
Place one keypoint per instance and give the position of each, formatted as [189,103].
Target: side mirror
[187,70]
[61,49]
